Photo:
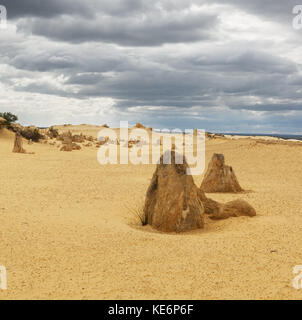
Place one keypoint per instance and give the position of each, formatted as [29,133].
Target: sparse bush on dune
[138,213]
[8,117]
[52,133]
[31,133]
[141,216]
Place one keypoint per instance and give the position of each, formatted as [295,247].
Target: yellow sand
[66,230]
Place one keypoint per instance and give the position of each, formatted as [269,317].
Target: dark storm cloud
[273,107]
[170,62]
[38,8]
[133,22]
[209,81]
[44,88]
[272,9]
[88,8]
[149,30]
[247,61]
[184,85]
[43,63]
[49,9]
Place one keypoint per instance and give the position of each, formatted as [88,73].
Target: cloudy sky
[223,66]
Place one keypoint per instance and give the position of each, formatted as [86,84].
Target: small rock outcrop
[101,141]
[52,133]
[217,210]
[172,203]
[18,145]
[234,208]
[76,146]
[88,144]
[139,126]
[79,138]
[90,138]
[66,141]
[220,177]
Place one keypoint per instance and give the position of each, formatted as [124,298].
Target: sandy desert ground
[66,231]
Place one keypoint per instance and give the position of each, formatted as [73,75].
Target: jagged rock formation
[139,126]
[63,136]
[172,203]
[220,177]
[18,144]
[52,133]
[67,141]
[79,138]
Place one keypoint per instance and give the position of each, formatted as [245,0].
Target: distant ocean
[282,136]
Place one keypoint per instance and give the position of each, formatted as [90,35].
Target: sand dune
[67,231]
